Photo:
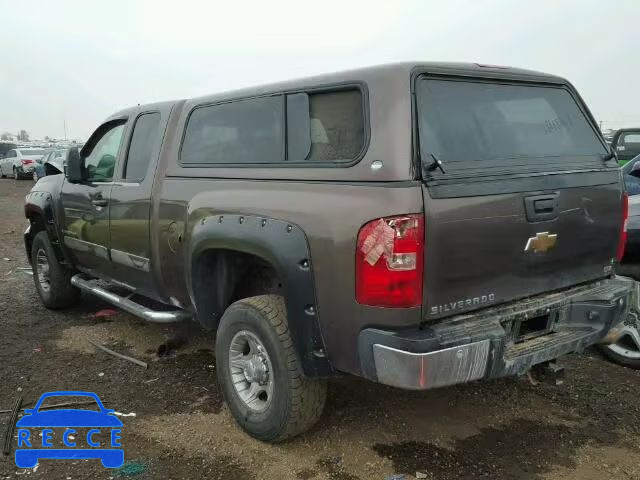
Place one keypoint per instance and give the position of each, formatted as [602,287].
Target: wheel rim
[251,371]
[42,269]
[15,174]
[628,345]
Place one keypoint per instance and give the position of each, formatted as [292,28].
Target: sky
[76,62]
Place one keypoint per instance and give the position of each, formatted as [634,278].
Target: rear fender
[284,246]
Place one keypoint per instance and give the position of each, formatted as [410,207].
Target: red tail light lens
[389,262]
[623,228]
[26,162]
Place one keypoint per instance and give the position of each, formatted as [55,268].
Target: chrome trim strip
[420,371]
[130,260]
[128,305]
[87,247]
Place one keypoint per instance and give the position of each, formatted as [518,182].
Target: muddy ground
[588,428]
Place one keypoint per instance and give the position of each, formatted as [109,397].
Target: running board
[97,288]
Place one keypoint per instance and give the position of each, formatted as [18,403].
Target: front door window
[101,162]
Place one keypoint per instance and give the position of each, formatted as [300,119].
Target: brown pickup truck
[417,224]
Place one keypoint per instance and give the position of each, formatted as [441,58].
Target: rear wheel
[260,374]
[16,175]
[52,280]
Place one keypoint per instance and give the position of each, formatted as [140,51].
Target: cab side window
[101,161]
[146,135]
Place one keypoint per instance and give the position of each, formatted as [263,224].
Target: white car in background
[20,162]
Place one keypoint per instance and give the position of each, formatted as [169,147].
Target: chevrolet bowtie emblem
[542,242]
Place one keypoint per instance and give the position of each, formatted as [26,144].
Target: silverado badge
[542,242]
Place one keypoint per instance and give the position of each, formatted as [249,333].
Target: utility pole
[65,128]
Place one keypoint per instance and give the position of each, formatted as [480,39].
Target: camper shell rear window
[494,126]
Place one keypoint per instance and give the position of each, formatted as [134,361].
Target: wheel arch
[222,244]
[38,209]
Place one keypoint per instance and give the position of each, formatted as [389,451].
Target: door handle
[99,202]
[540,208]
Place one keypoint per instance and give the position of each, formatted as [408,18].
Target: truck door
[131,205]
[86,204]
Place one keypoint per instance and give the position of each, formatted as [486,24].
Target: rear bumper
[490,343]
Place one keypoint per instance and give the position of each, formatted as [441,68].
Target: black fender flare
[283,245]
[40,204]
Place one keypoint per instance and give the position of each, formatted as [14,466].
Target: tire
[16,175]
[626,351]
[52,280]
[295,403]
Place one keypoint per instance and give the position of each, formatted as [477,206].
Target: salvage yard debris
[106,312]
[56,405]
[11,426]
[116,354]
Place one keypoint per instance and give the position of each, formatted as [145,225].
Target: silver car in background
[20,162]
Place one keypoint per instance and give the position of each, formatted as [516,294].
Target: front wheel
[52,280]
[260,374]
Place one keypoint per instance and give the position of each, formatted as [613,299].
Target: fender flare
[283,245]
[41,204]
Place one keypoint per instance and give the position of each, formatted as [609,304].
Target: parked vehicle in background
[419,225]
[5,147]
[52,163]
[626,144]
[631,176]
[626,350]
[20,162]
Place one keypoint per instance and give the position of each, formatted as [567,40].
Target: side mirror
[635,170]
[74,169]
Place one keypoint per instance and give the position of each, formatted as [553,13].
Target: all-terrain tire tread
[308,395]
[61,294]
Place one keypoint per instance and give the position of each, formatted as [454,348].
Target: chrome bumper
[418,371]
[490,344]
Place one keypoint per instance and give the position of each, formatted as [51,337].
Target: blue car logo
[31,447]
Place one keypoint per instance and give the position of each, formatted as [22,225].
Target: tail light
[389,262]
[623,228]
[26,162]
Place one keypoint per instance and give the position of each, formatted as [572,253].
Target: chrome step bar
[93,286]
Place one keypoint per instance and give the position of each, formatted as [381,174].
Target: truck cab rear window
[463,121]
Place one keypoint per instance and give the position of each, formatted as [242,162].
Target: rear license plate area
[532,327]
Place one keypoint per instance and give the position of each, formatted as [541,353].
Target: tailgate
[519,195]
[485,250]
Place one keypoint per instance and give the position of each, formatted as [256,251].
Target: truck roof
[399,71]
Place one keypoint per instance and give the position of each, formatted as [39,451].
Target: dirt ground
[587,428]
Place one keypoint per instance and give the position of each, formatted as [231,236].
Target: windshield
[32,151]
[462,121]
